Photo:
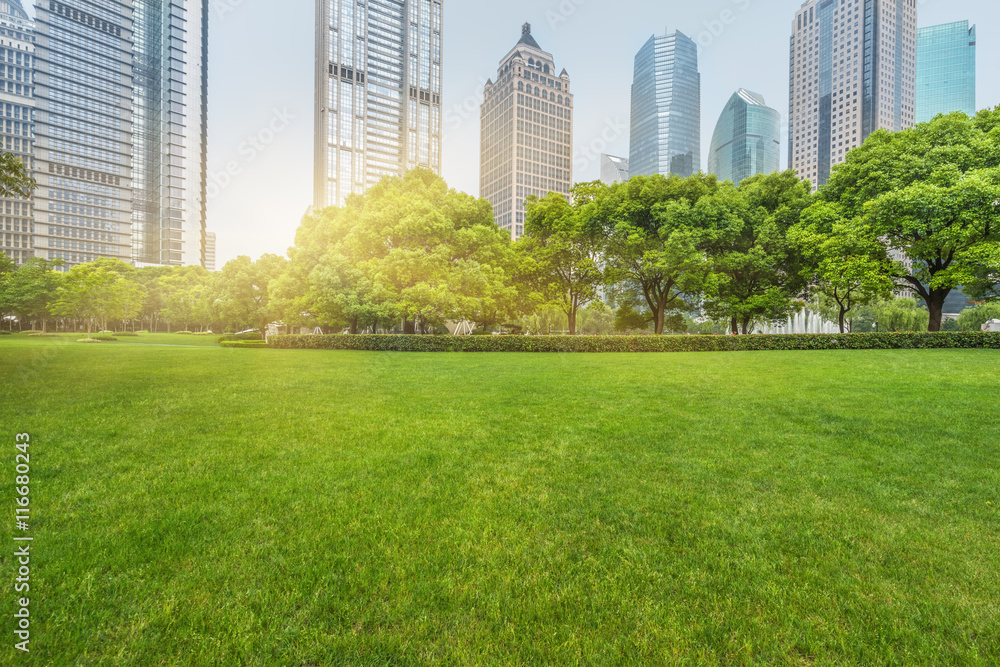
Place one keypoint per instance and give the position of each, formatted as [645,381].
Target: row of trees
[109,293]
[917,210]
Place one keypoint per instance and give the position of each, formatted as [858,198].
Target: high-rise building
[747,139]
[378,93]
[17,49]
[526,133]
[852,72]
[613,169]
[666,108]
[210,241]
[83,125]
[169,131]
[946,70]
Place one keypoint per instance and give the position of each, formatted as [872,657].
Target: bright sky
[261,79]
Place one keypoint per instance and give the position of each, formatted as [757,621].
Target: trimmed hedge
[103,338]
[865,341]
[259,344]
[243,336]
[127,334]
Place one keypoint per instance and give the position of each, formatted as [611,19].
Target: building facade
[378,93]
[83,125]
[169,131]
[614,169]
[210,241]
[852,71]
[17,132]
[666,108]
[526,133]
[747,139]
[946,70]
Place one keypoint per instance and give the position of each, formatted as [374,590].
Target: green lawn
[262,507]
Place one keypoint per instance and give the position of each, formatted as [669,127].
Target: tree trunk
[660,317]
[572,322]
[90,325]
[935,304]
[409,327]
[843,313]
[735,326]
[746,326]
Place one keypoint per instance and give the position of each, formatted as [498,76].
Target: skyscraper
[666,108]
[946,70]
[17,48]
[210,241]
[526,133]
[83,124]
[170,131]
[747,139]
[378,93]
[852,71]
[614,169]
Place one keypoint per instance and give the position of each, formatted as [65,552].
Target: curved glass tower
[747,139]
[666,108]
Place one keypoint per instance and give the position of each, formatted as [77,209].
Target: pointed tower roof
[526,37]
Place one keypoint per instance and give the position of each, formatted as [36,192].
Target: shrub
[258,344]
[184,333]
[866,341]
[127,334]
[5,333]
[29,332]
[238,337]
[103,337]
[39,334]
[106,333]
[90,340]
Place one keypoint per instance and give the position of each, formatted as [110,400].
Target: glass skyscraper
[378,93]
[852,71]
[83,143]
[169,131]
[747,139]
[946,70]
[526,127]
[17,131]
[666,108]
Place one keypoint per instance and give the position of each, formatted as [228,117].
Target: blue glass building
[666,108]
[946,70]
[747,139]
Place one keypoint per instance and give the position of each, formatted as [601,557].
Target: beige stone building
[526,133]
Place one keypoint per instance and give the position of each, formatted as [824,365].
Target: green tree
[15,183]
[242,292]
[563,252]
[28,290]
[757,271]
[931,194]
[653,228]
[98,292]
[846,264]
[896,314]
[185,294]
[973,319]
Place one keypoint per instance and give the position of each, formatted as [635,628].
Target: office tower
[17,48]
[852,72]
[378,93]
[613,169]
[210,241]
[747,139]
[666,108]
[169,131]
[946,70]
[526,133]
[83,126]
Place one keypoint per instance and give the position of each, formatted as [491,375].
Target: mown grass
[268,507]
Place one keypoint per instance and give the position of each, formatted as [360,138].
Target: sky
[261,81]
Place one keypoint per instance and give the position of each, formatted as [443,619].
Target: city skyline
[243,117]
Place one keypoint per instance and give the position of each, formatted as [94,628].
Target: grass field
[207,506]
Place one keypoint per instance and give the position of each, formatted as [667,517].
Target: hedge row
[865,341]
[242,336]
[244,343]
